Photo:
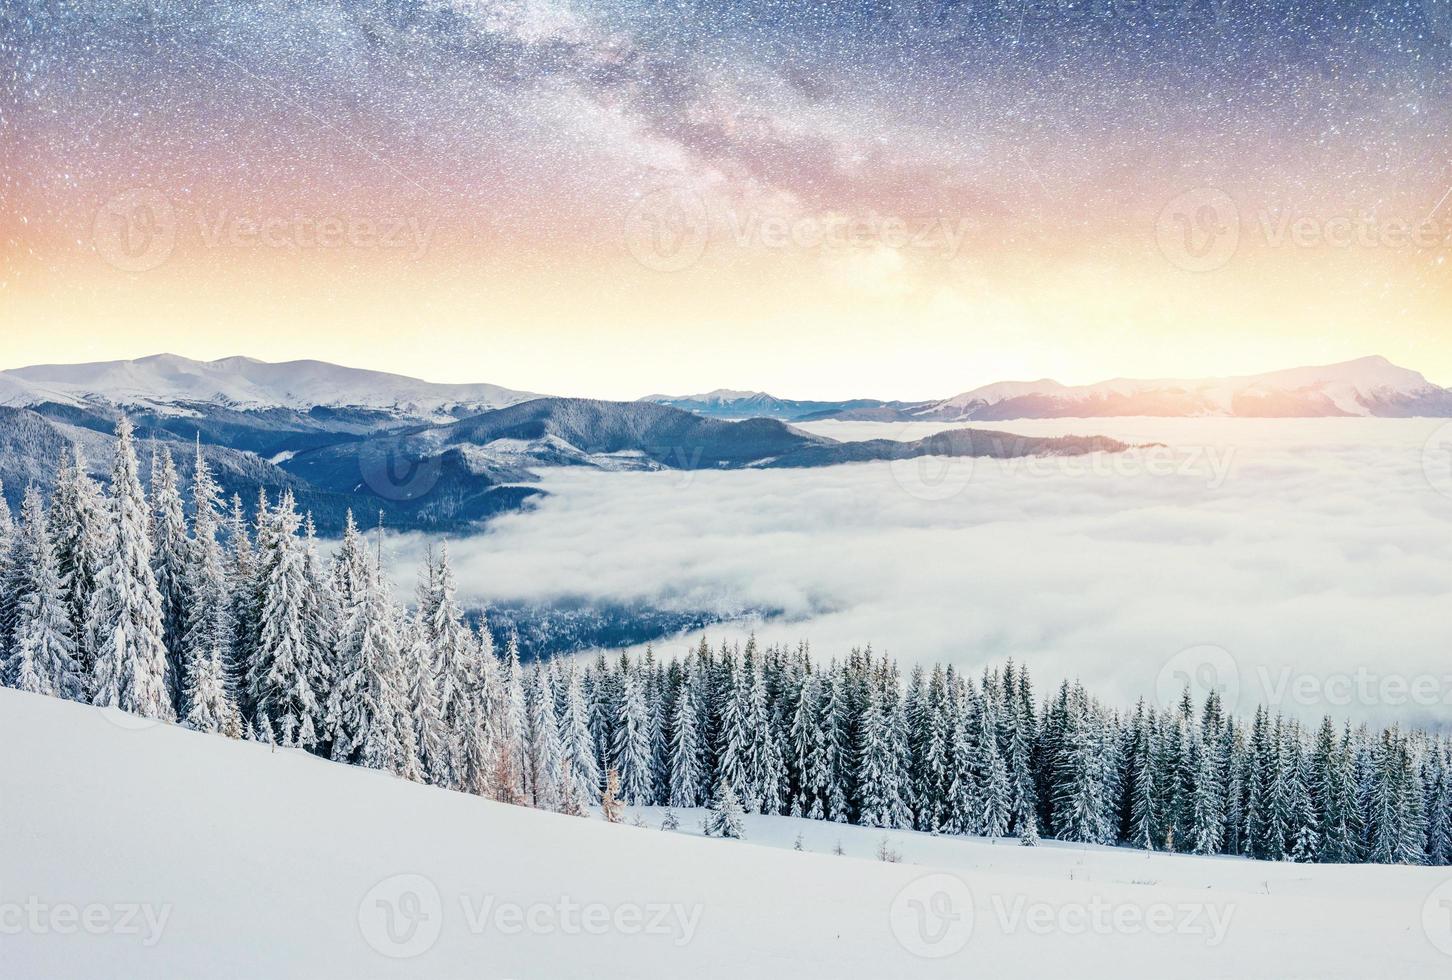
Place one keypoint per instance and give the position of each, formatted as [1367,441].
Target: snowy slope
[246,383]
[205,857]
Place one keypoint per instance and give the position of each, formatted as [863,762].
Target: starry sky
[819,199]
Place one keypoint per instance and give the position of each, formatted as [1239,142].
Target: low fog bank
[1305,562]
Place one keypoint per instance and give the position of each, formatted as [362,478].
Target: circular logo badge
[126,720]
[1199,230]
[135,231]
[936,466]
[397,475]
[932,916]
[1437,917]
[1204,668]
[667,230]
[401,916]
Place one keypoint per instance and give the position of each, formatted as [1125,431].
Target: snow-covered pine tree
[210,705]
[806,750]
[994,795]
[508,727]
[1080,801]
[1146,823]
[631,751]
[456,656]
[733,748]
[1208,808]
[683,752]
[286,672]
[1439,806]
[170,557]
[725,818]
[472,720]
[80,527]
[125,619]
[544,756]
[422,698]
[1304,836]
[364,710]
[1331,795]
[9,569]
[43,650]
[208,601]
[577,744]
[836,746]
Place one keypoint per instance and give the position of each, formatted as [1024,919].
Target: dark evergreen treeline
[117,598]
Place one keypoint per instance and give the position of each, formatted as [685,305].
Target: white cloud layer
[1317,553]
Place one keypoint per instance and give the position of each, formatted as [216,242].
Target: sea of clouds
[1303,562]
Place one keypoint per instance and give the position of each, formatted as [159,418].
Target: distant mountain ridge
[169,381]
[1368,386]
[417,455]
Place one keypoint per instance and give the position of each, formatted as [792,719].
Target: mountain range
[420,455]
[1368,386]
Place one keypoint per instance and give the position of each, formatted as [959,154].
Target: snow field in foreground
[133,849]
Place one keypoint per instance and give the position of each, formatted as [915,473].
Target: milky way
[988,145]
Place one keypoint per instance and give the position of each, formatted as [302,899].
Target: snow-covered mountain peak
[1364,386]
[244,382]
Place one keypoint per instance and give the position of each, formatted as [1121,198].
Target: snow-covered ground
[132,849]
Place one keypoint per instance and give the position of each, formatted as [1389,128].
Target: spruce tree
[430,737]
[631,751]
[683,751]
[364,712]
[725,818]
[577,742]
[80,528]
[126,620]
[170,557]
[43,650]
[544,756]
[210,704]
[286,672]
[208,633]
